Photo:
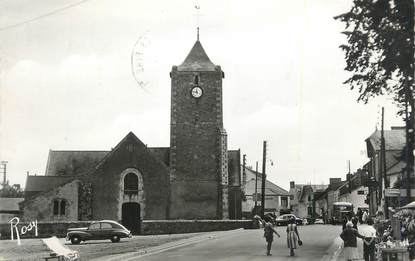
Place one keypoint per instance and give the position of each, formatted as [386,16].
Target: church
[197,177]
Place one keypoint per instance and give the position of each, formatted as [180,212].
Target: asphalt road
[226,245]
[250,245]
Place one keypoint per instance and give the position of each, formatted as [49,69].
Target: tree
[11,191]
[380,49]
[380,55]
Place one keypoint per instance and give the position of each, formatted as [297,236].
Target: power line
[42,16]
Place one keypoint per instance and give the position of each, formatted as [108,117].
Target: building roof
[62,163]
[45,183]
[305,189]
[197,60]
[394,139]
[270,188]
[72,163]
[10,204]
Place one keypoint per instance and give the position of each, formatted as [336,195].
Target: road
[223,245]
[250,245]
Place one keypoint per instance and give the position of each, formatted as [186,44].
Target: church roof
[44,183]
[197,60]
[67,162]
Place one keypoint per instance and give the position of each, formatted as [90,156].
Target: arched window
[131,183]
[59,207]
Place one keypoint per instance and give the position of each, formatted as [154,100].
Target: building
[354,191]
[197,177]
[277,199]
[303,199]
[9,208]
[325,199]
[395,164]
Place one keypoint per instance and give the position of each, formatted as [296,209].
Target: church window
[196,82]
[62,207]
[55,207]
[59,207]
[131,184]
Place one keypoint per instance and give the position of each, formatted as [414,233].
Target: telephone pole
[264,177]
[383,163]
[256,187]
[243,172]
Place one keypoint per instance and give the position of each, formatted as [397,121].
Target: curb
[334,250]
[167,246]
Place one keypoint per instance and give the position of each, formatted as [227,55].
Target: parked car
[104,229]
[283,220]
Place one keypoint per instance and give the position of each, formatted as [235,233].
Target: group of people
[350,234]
[293,238]
[376,232]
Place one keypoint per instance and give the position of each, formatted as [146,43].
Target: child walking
[269,232]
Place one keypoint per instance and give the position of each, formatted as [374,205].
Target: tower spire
[198,33]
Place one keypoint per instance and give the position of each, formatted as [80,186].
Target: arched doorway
[131,216]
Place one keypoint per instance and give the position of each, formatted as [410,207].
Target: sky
[80,75]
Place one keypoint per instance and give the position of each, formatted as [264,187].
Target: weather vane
[197,7]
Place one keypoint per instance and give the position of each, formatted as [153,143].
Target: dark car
[104,229]
[283,220]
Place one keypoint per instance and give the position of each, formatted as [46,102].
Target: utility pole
[383,163]
[409,148]
[4,164]
[264,177]
[243,172]
[256,188]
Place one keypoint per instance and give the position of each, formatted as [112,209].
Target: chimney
[333,181]
[292,184]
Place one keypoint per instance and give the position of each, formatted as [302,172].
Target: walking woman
[293,239]
[349,236]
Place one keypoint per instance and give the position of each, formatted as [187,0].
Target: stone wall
[149,227]
[41,207]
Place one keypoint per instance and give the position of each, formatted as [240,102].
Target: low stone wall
[154,227]
[148,227]
[45,229]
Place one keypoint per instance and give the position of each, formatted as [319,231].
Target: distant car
[319,221]
[104,229]
[283,220]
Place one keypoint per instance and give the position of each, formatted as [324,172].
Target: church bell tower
[198,142]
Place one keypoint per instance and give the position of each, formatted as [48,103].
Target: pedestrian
[369,242]
[354,222]
[360,215]
[365,217]
[293,238]
[269,232]
[349,236]
[344,222]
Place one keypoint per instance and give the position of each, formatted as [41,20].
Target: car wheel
[75,240]
[115,239]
